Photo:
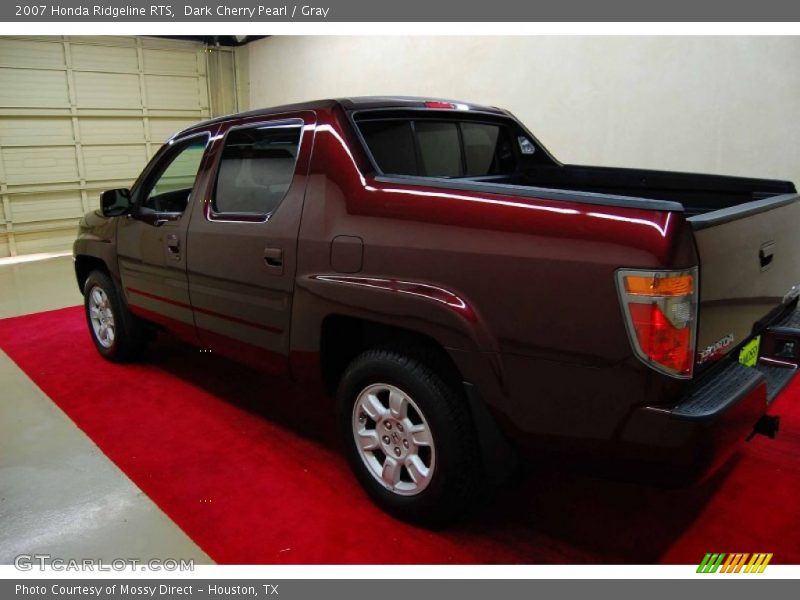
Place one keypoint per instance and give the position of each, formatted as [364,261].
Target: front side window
[256,169]
[169,191]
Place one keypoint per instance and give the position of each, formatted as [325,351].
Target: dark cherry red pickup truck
[466,297]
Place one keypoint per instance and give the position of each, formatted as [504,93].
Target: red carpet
[250,469]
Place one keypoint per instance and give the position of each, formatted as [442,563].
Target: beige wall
[726,105]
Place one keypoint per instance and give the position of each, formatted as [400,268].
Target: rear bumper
[697,435]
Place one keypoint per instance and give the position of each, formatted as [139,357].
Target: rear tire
[118,335]
[409,438]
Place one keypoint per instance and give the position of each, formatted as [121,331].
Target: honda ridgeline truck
[467,298]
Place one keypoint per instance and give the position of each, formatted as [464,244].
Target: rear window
[433,148]
[392,145]
[256,169]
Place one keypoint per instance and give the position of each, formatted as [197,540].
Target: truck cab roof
[350,104]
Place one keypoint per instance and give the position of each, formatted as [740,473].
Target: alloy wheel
[101,316]
[393,439]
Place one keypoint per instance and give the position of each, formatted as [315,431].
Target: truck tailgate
[749,269]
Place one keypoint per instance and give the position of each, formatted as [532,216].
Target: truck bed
[697,193]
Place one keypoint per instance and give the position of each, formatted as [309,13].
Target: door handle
[173,245]
[765,255]
[273,257]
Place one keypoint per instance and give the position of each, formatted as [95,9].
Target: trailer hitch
[767,425]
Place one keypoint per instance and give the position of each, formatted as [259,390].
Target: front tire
[118,335]
[409,438]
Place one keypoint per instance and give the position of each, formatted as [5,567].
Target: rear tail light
[660,310]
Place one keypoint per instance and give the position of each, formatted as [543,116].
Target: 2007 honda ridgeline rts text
[466,297]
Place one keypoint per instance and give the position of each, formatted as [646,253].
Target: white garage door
[80,115]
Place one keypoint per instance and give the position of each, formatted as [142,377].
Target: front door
[151,243]
[241,250]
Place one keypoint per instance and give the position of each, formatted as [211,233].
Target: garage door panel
[162,129]
[50,240]
[107,90]
[33,88]
[111,131]
[104,58]
[162,43]
[104,41]
[27,53]
[35,131]
[33,208]
[173,92]
[80,115]
[36,165]
[114,162]
[171,62]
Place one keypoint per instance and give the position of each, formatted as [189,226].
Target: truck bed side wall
[698,193]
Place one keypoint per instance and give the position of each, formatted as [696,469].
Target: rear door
[242,249]
[749,267]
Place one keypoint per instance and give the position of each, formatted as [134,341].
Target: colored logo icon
[734,563]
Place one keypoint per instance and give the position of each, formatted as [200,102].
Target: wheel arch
[331,312]
[85,264]
[343,337]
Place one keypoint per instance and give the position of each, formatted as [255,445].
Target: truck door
[151,243]
[241,250]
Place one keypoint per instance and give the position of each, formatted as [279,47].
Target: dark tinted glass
[256,169]
[480,148]
[439,148]
[392,146]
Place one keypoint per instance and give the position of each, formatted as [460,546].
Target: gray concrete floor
[59,494]
[31,287]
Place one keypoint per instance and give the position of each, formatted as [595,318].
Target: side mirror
[115,203]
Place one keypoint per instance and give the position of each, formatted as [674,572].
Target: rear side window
[483,147]
[433,148]
[256,169]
